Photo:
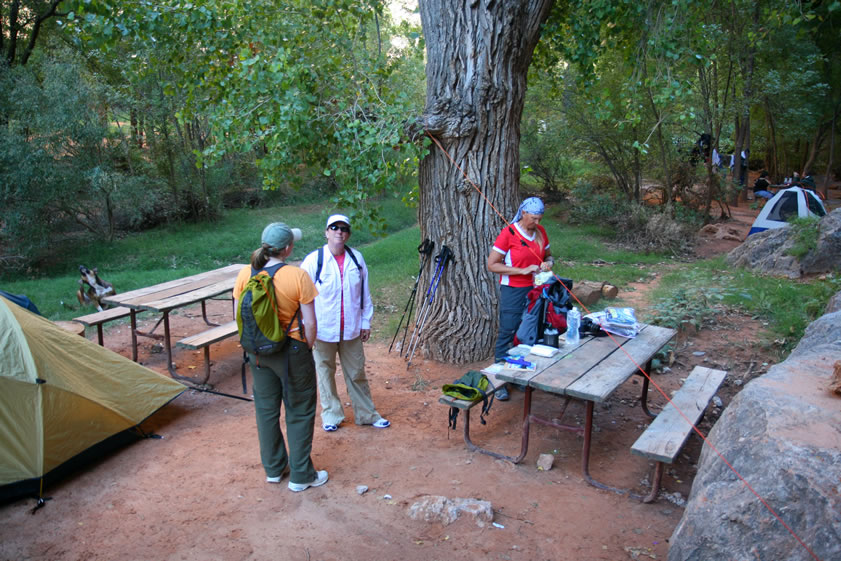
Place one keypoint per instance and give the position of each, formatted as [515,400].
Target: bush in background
[640,227]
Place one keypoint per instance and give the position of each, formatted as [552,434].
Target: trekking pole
[444,257]
[424,249]
[438,269]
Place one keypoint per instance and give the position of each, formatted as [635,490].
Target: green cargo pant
[296,388]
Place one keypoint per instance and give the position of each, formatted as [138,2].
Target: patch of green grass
[687,307]
[178,250]
[787,306]
[581,254]
[805,234]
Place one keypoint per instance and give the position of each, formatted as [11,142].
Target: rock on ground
[834,303]
[435,508]
[721,232]
[782,434]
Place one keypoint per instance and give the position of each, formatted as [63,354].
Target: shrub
[688,307]
[640,227]
[142,204]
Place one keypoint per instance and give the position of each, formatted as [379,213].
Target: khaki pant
[352,359]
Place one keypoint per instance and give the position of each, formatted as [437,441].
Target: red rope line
[640,368]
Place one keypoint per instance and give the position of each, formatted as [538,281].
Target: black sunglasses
[344,229]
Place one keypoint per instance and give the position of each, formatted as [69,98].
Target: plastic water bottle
[573,323]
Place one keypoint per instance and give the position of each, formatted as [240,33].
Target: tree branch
[51,12]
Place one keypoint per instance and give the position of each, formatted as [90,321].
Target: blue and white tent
[786,204]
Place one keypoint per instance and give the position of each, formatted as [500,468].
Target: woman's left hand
[546,265]
[364,334]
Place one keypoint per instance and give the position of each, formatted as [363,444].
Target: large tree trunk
[772,164]
[815,146]
[827,178]
[478,54]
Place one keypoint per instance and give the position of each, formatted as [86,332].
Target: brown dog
[92,288]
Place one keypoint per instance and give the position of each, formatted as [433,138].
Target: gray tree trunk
[478,54]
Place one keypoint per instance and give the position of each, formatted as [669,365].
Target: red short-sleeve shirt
[510,244]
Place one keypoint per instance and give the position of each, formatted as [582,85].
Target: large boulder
[827,254]
[834,303]
[767,252]
[782,435]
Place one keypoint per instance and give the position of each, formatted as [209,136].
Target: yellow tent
[61,394]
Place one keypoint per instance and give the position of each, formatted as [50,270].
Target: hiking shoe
[277,479]
[320,479]
[382,423]
[501,394]
[329,428]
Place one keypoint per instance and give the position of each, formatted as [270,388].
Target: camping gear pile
[547,306]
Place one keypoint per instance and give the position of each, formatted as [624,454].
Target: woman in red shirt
[520,251]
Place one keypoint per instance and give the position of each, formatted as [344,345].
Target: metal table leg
[204,315]
[133,315]
[655,483]
[644,397]
[170,365]
[524,445]
[585,458]
[168,345]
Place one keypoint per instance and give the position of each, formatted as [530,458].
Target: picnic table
[588,372]
[165,297]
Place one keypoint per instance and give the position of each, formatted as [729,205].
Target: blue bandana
[532,205]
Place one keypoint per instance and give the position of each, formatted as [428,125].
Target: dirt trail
[200,492]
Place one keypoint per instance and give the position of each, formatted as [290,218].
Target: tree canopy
[120,115]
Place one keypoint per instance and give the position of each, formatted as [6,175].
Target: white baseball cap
[337,218]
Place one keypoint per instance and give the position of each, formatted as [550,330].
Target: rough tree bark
[478,54]
[827,178]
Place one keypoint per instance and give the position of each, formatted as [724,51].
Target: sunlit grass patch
[693,293]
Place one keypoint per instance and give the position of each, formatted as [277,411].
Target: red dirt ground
[200,492]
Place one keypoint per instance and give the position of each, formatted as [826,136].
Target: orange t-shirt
[292,287]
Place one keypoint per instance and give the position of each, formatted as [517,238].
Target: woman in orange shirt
[289,375]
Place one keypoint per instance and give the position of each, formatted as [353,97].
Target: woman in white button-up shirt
[343,310]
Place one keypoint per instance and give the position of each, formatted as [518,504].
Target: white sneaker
[320,479]
[277,479]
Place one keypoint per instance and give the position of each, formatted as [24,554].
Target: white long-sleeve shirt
[337,291]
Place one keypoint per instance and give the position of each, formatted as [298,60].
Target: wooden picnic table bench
[206,338]
[666,435]
[165,297]
[99,318]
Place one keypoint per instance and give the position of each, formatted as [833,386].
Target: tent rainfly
[786,204]
[60,395]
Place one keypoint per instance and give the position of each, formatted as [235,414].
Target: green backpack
[473,386]
[258,321]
